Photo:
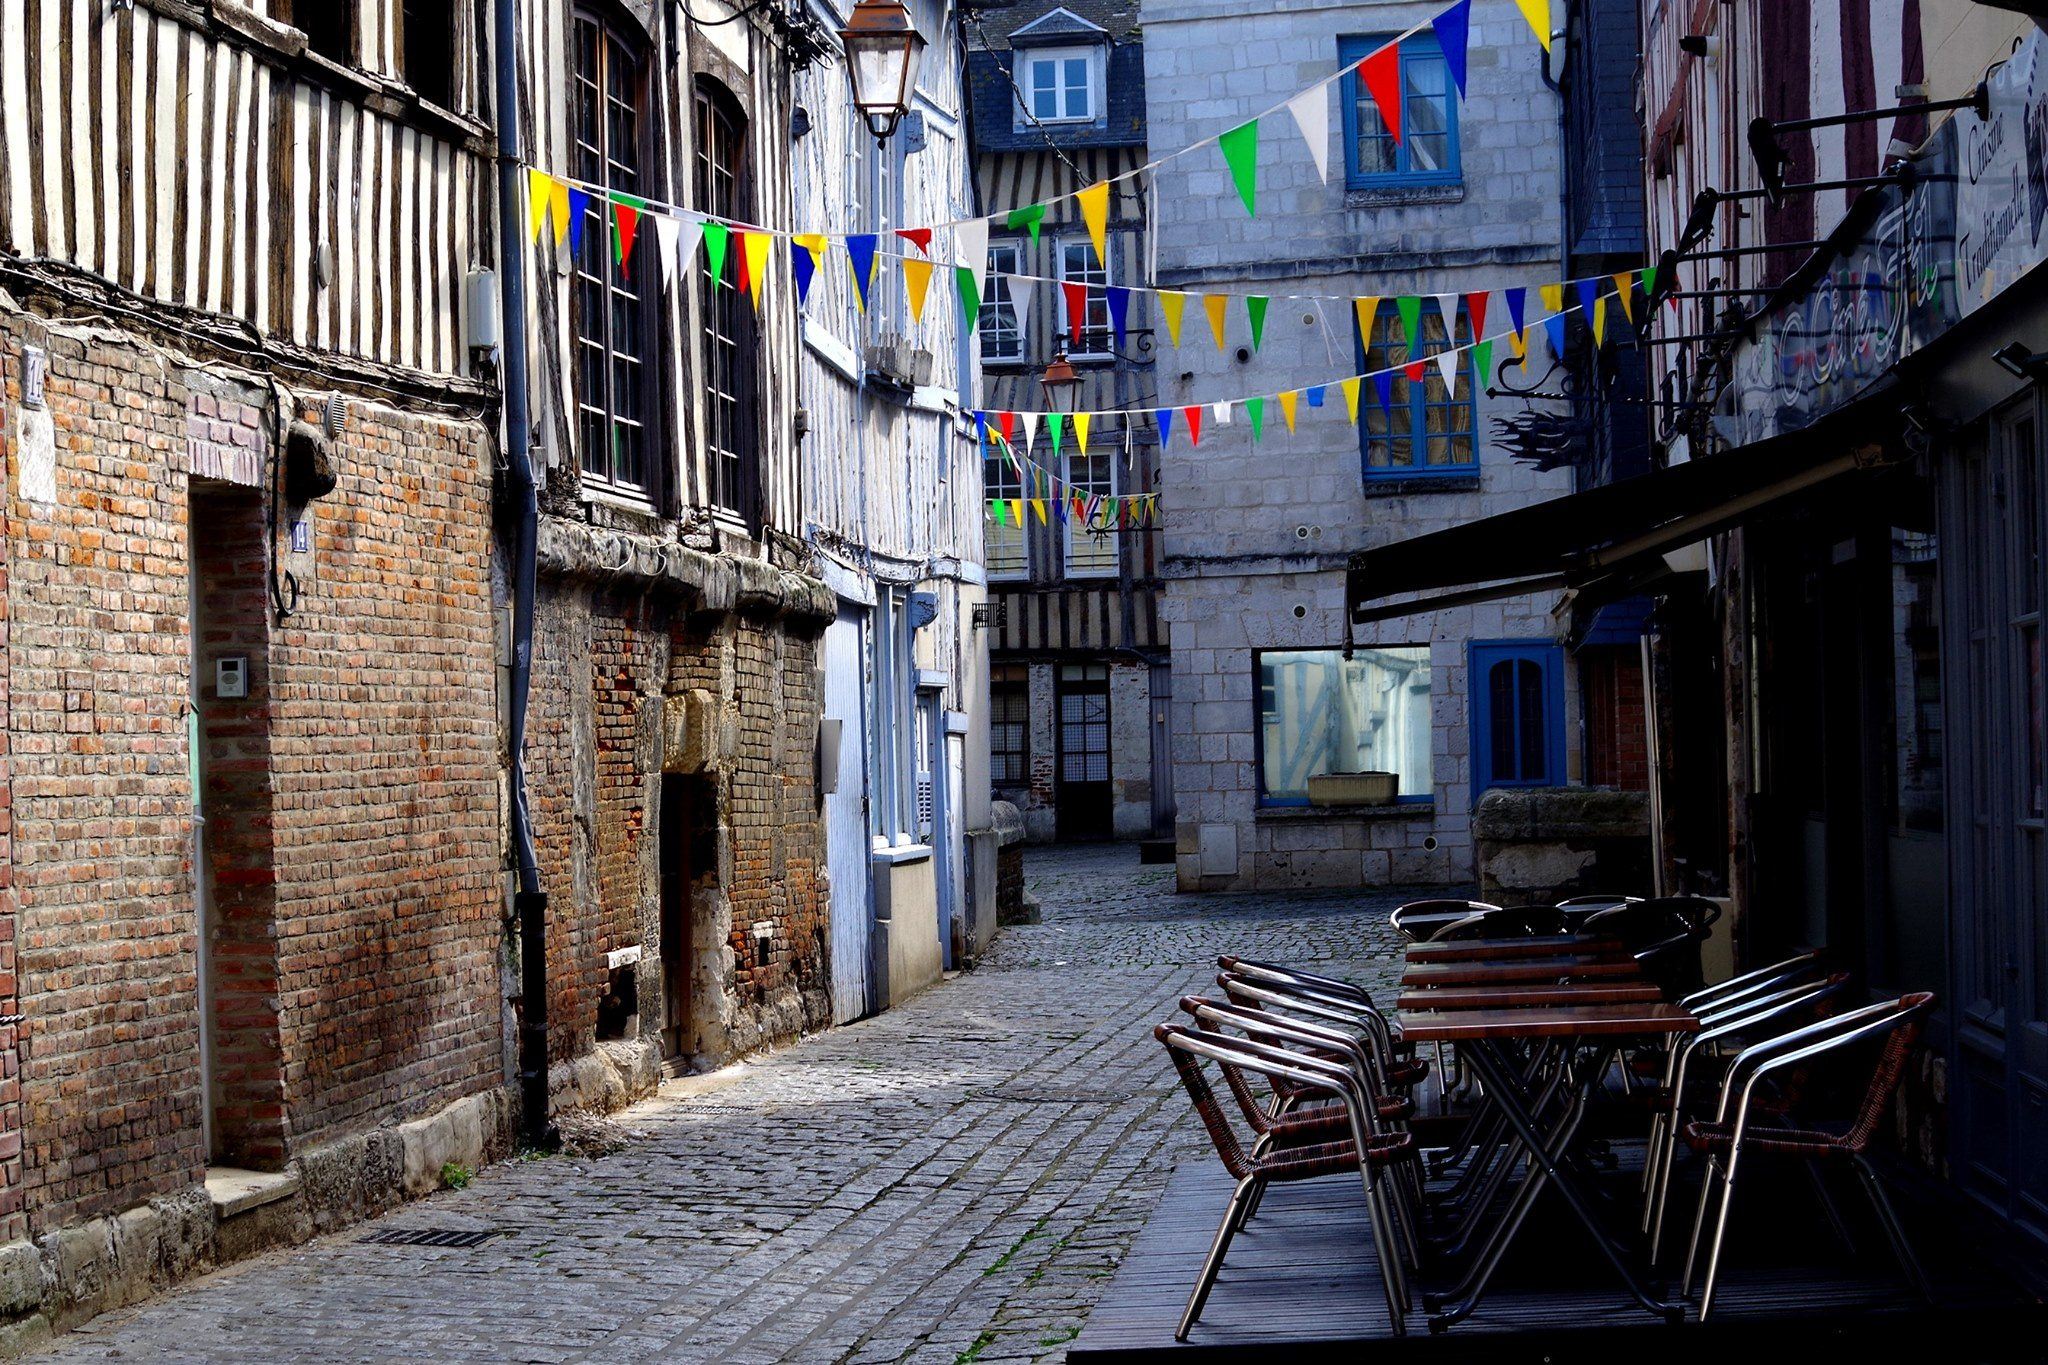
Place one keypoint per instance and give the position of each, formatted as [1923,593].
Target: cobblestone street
[951,1181]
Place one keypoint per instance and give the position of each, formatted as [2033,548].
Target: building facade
[1080,682]
[1259,531]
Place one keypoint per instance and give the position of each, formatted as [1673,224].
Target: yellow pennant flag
[558,205]
[756,247]
[1625,286]
[1518,342]
[1537,12]
[1553,297]
[1038,506]
[917,278]
[1170,303]
[539,190]
[1287,401]
[813,242]
[1094,202]
[1600,321]
[1017,510]
[1367,309]
[1214,305]
[1350,387]
[1081,421]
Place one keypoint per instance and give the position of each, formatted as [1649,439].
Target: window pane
[1502,717]
[1320,713]
[1003,542]
[610,321]
[1529,722]
[1091,551]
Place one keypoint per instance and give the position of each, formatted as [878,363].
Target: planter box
[1353,789]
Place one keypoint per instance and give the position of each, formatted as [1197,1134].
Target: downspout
[530,902]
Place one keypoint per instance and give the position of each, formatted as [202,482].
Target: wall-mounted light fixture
[2016,360]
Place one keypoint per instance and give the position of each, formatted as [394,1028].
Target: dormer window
[1062,84]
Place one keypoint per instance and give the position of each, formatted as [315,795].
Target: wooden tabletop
[1491,949]
[1525,997]
[1582,1021]
[1520,969]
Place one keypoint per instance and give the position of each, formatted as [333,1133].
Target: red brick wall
[13,1208]
[1617,749]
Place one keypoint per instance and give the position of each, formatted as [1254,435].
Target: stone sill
[1400,810]
[234,1190]
[897,855]
[1398,487]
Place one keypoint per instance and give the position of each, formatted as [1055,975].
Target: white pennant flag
[1222,412]
[677,237]
[1020,301]
[1447,365]
[1447,304]
[1030,420]
[970,246]
[1311,110]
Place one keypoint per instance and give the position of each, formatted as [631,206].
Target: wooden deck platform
[1301,1284]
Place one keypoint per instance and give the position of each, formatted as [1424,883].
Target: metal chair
[1733,1132]
[1664,935]
[1418,920]
[1360,1151]
[1517,921]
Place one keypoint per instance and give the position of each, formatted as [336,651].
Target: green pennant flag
[1410,306]
[1241,151]
[1649,276]
[716,234]
[1029,217]
[1255,305]
[1054,423]
[1482,361]
[970,293]
[1256,409]
[996,510]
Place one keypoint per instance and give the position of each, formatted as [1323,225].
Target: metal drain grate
[433,1237]
[1056,1095]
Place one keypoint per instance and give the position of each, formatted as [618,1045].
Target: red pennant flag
[629,227]
[1007,421]
[1381,72]
[1077,308]
[921,238]
[739,240]
[1475,309]
[1193,417]
[1413,369]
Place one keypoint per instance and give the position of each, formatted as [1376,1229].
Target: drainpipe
[529,902]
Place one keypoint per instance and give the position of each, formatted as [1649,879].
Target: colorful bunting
[1220,410]
[998,510]
[741,260]
[1311,110]
[1315,395]
[860,257]
[1410,308]
[1625,289]
[1170,303]
[921,238]
[1553,327]
[754,254]
[1077,308]
[917,278]
[1255,408]
[716,236]
[1119,310]
[1018,288]
[1350,387]
[1214,305]
[1537,12]
[1081,423]
[1482,362]
[970,249]
[626,213]
[1287,403]
[578,203]
[1055,426]
[1447,308]
[1588,291]
[1165,416]
[540,189]
[1475,312]
[1381,72]
[1383,387]
[1038,506]
[806,250]
[1453,31]
[969,290]
[1255,308]
[558,209]
[1241,153]
[1517,303]
[1552,296]
[1600,321]
[668,234]
[1366,308]
[1008,422]
[1094,204]
[1031,216]
[1648,274]
[1414,370]
[1447,367]
[1193,418]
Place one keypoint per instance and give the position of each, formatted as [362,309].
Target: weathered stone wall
[1538,846]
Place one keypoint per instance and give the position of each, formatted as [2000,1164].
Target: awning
[1612,541]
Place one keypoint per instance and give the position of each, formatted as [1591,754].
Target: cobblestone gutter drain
[433,1237]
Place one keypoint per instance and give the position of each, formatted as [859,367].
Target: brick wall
[1617,747]
[13,1207]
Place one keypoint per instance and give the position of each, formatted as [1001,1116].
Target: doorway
[685,853]
[1082,789]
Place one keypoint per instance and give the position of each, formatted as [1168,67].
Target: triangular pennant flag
[1553,327]
[1081,422]
[1447,308]
[1241,153]
[1255,308]
[921,238]
[811,244]
[1063,509]
[1588,291]
[540,188]
[998,511]
[754,251]
[1600,321]
[1366,308]
[668,234]
[1038,506]
[742,259]
[1255,408]
[1518,301]
[1410,307]
[716,235]
[558,209]
[1214,304]
[1648,275]
[1077,308]
[917,278]
[1482,361]
[1314,393]
[1518,342]
[626,213]
[804,266]
[1381,72]
[1383,386]
[1311,110]
[1288,399]
[1165,416]
[860,256]
[970,248]
[1017,510]
[1056,427]
[1031,216]
[1553,297]
[1350,387]
[1220,410]
[1119,310]
[1094,202]
[1193,418]
[1475,312]
[1625,289]
[1453,31]
[1030,432]
[1171,303]
[1415,370]
[1019,289]
[981,426]
[1007,421]
[578,202]
[969,290]
[1537,12]
[1447,367]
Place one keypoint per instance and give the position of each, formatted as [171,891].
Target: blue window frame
[1516,691]
[1425,430]
[1427,153]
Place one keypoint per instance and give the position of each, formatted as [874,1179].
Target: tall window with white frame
[1078,265]
[1002,339]
[1060,84]
[1005,546]
[1092,549]
[613,318]
[724,336]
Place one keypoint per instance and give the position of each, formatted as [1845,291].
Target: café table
[1588,1036]
[1597,992]
[1502,949]
[1575,967]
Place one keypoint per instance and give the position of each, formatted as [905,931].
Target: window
[1517,699]
[1424,429]
[724,337]
[1427,153]
[329,26]
[1001,338]
[1060,84]
[1079,266]
[1322,713]
[428,43]
[1009,726]
[1092,553]
[613,317]
[892,737]
[1005,547]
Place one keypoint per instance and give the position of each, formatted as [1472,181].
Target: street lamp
[1061,383]
[882,49]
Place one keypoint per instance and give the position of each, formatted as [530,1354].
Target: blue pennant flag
[1383,384]
[1119,309]
[860,246]
[980,417]
[1589,290]
[1059,507]
[1315,395]
[1555,327]
[805,266]
[1518,300]
[578,202]
[1453,27]
[1165,416]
